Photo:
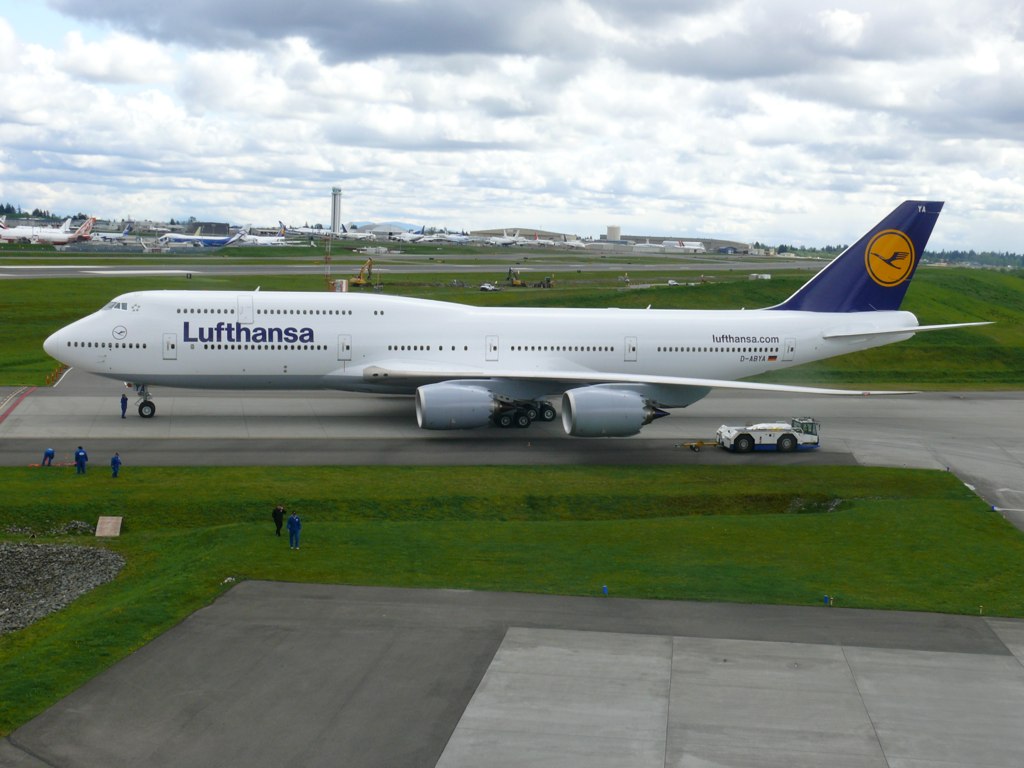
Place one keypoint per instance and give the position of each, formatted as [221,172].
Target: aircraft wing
[400,371]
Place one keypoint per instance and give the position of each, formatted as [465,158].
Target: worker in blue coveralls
[48,455]
[124,404]
[115,464]
[81,457]
[294,526]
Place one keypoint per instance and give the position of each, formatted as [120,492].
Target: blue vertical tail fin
[874,273]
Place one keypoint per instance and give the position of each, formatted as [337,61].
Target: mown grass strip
[879,538]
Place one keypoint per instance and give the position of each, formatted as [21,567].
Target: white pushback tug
[783,436]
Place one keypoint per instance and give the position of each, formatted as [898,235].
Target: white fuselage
[375,343]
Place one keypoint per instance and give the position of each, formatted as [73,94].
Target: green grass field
[877,538]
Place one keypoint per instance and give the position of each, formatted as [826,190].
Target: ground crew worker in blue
[115,464]
[124,404]
[294,526]
[48,455]
[81,457]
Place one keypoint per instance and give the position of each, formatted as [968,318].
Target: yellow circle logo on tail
[889,258]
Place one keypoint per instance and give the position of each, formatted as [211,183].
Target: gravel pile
[38,579]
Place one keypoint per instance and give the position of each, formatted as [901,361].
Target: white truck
[780,435]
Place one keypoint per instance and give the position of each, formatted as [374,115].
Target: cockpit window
[117,305]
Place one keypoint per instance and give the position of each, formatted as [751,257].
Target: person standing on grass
[278,515]
[294,526]
[115,464]
[81,457]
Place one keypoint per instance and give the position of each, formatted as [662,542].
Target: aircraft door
[344,347]
[245,308]
[630,347]
[491,347]
[170,346]
[789,349]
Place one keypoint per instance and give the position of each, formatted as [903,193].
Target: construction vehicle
[782,436]
[513,278]
[365,275]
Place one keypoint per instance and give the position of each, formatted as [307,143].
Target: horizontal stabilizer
[901,331]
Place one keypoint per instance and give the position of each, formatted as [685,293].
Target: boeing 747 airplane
[614,369]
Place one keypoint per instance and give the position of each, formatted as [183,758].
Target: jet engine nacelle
[453,406]
[602,411]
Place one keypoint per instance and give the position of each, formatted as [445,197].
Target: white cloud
[731,117]
[118,58]
[842,27]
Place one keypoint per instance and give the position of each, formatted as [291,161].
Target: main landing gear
[522,414]
[147,408]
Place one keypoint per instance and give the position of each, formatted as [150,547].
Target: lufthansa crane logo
[119,332]
[889,258]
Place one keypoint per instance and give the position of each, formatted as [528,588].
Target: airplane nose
[54,343]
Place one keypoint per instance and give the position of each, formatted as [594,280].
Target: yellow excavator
[365,275]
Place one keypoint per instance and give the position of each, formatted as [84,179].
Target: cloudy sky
[778,120]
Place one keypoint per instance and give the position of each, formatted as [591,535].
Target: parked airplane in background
[615,369]
[348,234]
[52,235]
[108,237]
[574,243]
[198,239]
[409,237]
[536,241]
[306,231]
[506,239]
[278,239]
[343,234]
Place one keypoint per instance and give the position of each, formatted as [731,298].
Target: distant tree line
[966,258]
[984,259]
[14,211]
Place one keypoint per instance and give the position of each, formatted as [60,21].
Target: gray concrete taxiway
[304,675]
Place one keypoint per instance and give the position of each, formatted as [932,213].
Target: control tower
[336,210]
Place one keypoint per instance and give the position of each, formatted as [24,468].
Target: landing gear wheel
[547,412]
[744,444]
[531,412]
[504,419]
[147,408]
[786,444]
[522,419]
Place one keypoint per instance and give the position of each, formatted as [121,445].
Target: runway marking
[142,271]
[20,395]
[58,381]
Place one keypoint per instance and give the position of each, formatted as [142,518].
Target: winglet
[873,273]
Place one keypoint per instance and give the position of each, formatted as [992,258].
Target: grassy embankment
[877,538]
